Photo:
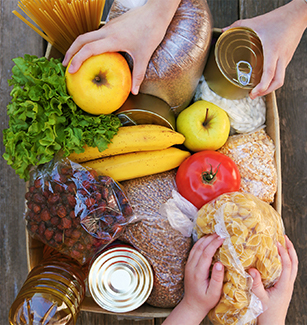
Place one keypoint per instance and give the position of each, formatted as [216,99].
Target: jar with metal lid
[235,62]
[51,294]
[120,278]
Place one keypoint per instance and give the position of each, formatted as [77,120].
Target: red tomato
[205,175]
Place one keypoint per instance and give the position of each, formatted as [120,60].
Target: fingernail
[135,90]
[252,96]
[218,266]
[252,274]
[71,68]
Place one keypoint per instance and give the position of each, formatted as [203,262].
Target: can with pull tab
[235,62]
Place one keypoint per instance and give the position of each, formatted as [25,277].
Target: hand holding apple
[101,85]
[204,125]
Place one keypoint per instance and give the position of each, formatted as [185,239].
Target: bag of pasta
[177,64]
[251,228]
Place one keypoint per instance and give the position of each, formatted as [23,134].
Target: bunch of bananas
[136,151]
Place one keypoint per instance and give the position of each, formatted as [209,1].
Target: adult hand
[280,32]
[202,291]
[137,32]
[276,299]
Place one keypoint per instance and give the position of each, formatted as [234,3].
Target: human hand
[137,32]
[280,32]
[276,299]
[202,292]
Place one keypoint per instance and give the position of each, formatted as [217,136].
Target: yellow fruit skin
[138,164]
[134,138]
[102,83]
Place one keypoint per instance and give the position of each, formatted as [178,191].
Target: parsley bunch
[43,118]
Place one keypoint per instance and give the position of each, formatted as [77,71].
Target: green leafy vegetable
[43,118]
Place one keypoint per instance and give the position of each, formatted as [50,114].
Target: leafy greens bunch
[43,118]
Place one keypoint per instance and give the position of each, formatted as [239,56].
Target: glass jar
[51,294]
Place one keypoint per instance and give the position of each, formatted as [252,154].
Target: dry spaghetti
[62,21]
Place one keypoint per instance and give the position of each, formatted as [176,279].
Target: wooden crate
[35,247]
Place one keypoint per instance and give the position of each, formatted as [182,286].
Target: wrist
[163,10]
[196,312]
[300,7]
[271,319]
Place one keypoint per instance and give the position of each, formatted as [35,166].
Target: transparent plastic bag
[251,229]
[151,234]
[180,213]
[253,153]
[73,209]
[177,64]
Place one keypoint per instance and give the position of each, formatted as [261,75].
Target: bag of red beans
[75,210]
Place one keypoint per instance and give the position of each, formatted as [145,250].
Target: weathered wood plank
[224,12]
[292,106]
[16,39]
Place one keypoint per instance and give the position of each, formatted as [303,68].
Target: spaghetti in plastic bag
[73,209]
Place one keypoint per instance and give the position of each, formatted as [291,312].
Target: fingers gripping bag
[251,228]
[177,64]
[73,209]
[151,234]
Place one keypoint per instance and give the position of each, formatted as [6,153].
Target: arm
[201,292]
[280,31]
[137,32]
[276,300]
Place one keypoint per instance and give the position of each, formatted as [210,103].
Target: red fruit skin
[190,181]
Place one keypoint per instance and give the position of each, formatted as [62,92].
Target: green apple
[204,125]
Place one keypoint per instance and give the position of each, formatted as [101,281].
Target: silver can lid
[239,56]
[120,279]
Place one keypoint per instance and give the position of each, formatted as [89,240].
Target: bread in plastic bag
[253,153]
[177,64]
[251,229]
[73,209]
[165,248]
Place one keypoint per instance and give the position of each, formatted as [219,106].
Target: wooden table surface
[18,39]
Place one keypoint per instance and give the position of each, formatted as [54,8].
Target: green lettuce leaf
[43,118]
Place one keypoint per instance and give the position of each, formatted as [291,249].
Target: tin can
[146,109]
[235,62]
[120,279]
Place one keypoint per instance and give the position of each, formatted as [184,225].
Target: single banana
[134,138]
[138,164]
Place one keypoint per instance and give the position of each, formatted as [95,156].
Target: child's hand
[202,292]
[276,300]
